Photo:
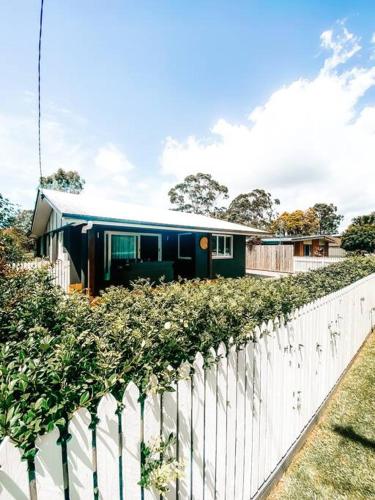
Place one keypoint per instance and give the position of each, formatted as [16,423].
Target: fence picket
[210,431]
[169,426]
[198,428]
[79,451]
[184,435]
[48,467]
[231,423]
[14,482]
[131,443]
[256,412]
[107,448]
[240,425]
[151,430]
[235,421]
[221,430]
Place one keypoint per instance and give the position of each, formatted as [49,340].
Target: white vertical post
[151,430]
[210,431]
[107,448]
[79,454]
[221,431]
[169,426]
[14,482]
[184,435]
[231,423]
[198,428]
[131,443]
[48,467]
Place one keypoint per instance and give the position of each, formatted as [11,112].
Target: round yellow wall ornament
[203,243]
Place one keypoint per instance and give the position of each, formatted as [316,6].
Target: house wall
[73,247]
[86,253]
[232,268]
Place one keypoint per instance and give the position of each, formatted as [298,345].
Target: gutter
[87,227]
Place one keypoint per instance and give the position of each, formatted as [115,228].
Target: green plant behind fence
[60,352]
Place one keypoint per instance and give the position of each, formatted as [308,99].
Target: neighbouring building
[309,246]
[104,242]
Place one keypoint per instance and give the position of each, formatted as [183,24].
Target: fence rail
[235,421]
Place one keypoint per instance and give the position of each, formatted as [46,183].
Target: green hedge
[59,353]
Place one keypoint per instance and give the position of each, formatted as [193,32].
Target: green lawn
[338,460]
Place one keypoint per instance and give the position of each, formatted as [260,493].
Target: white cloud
[112,161]
[65,144]
[343,45]
[310,142]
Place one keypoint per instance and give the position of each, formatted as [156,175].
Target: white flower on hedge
[184,371]
[161,477]
[167,325]
[153,384]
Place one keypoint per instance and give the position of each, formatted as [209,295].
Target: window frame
[179,246]
[217,256]
[107,244]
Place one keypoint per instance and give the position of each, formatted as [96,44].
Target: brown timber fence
[270,258]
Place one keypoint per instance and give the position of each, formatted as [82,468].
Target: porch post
[91,234]
[209,256]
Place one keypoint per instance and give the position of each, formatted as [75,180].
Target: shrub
[59,352]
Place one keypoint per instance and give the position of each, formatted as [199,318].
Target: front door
[185,264]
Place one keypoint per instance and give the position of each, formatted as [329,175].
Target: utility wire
[39,112]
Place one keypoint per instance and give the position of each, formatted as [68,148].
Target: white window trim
[178,246]
[217,246]
[108,258]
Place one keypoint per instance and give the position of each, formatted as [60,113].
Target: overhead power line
[39,108]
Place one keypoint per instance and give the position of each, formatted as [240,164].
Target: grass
[338,460]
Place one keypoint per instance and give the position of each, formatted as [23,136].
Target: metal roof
[290,239]
[86,208]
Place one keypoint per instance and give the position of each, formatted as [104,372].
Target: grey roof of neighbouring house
[291,239]
[85,208]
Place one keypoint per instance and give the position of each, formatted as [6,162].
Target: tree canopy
[198,194]
[298,222]
[63,180]
[360,235]
[15,225]
[256,209]
[329,219]
[8,212]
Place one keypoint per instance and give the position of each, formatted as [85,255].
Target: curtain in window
[123,247]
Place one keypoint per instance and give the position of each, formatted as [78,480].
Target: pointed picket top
[222,350]
[198,362]
[184,370]
[212,352]
[276,322]
[271,327]
[263,329]
[257,333]
[14,481]
[131,392]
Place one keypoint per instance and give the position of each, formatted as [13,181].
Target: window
[185,246]
[222,246]
[307,250]
[120,248]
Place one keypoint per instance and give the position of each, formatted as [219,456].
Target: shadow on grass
[349,433]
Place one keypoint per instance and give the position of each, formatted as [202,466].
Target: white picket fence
[235,422]
[303,264]
[58,270]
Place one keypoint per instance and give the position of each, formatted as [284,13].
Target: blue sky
[120,77]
